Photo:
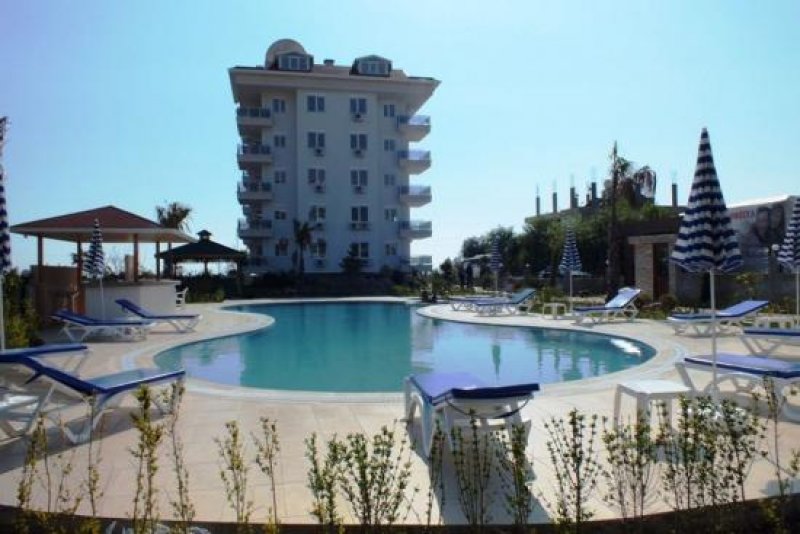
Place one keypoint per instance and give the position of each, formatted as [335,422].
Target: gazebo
[116,225]
[202,251]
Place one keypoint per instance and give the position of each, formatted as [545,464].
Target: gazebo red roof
[117,226]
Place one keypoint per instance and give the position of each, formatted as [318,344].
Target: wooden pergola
[203,251]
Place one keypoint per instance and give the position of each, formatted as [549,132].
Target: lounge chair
[20,403]
[450,400]
[766,341]
[182,322]
[745,373]
[494,306]
[180,298]
[78,327]
[465,303]
[101,392]
[622,305]
[731,317]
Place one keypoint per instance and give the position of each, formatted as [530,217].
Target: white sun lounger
[450,400]
[745,373]
[78,327]
[494,306]
[182,322]
[766,341]
[622,305]
[731,317]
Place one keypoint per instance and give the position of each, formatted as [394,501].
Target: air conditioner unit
[319,263]
[359,189]
[358,117]
[319,151]
[358,152]
[319,188]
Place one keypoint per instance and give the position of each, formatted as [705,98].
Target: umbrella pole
[570,291]
[714,388]
[102,301]
[797,296]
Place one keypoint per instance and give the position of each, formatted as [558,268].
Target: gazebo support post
[135,257]
[81,292]
[158,260]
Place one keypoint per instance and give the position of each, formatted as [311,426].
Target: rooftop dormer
[289,55]
[372,66]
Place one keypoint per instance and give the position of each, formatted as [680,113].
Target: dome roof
[283,46]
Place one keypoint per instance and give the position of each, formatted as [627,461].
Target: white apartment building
[329,145]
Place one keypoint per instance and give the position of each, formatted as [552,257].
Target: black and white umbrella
[495,260]
[570,259]
[706,240]
[5,237]
[96,263]
[789,252]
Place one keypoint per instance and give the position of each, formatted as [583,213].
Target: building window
[296,62]
[280,177]
[317,214]
[280,141]
[319,248]
[390,249]
[389,179]
[358,106]
[315,103]
[278,105]
[373,66]
[361,250]
[282,247]
[358,142]
[316,140]
[390,214]
[280,215]
[388,110]
[316,176]
[358,177]
[388,145]
[359,214]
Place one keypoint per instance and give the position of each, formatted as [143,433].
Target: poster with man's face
[760,227]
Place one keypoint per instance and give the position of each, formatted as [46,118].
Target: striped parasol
[789,252]
[494,260]
[5,236]
[706,240]
[570,259]
[96,263]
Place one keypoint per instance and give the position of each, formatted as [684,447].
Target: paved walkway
[207,407]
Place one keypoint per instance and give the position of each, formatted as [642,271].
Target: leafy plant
[150,434]
[322,479]
[267,449]
[473,460]
[515,475]
[234,475]
[182,507]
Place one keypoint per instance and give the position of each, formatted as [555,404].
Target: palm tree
[174,215]
[302,240]
[620,169]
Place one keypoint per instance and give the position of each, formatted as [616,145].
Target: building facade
[330,146]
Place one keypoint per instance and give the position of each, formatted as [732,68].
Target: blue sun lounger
[494,306]
[622,305]
[182,322]
[19,402]
[450,400]
[745,373]
[766,341]
[100,393]
[78,327]
[730,317]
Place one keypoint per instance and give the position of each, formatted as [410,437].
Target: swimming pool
[372,346]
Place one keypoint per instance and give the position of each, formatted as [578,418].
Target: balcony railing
[421,263]
[254,191]
[254,229]
[359,225]
[253,154]
[416,229]
[251,120]
[414,161]
[415,195]
[415,127]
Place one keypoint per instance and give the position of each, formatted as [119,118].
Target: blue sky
[129,103]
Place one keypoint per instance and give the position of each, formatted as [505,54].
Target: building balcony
[253,154]
[252,120]
[415,196]
[249,191]
[416,229]
[256,229]
[414,128]
[421,263]
[414,161]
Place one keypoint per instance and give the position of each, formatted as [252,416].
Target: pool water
[371,347]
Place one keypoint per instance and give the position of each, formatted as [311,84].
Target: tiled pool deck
[207,407]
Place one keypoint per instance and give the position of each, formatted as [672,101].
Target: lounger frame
[78,327]
[621,306]
[181,322]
